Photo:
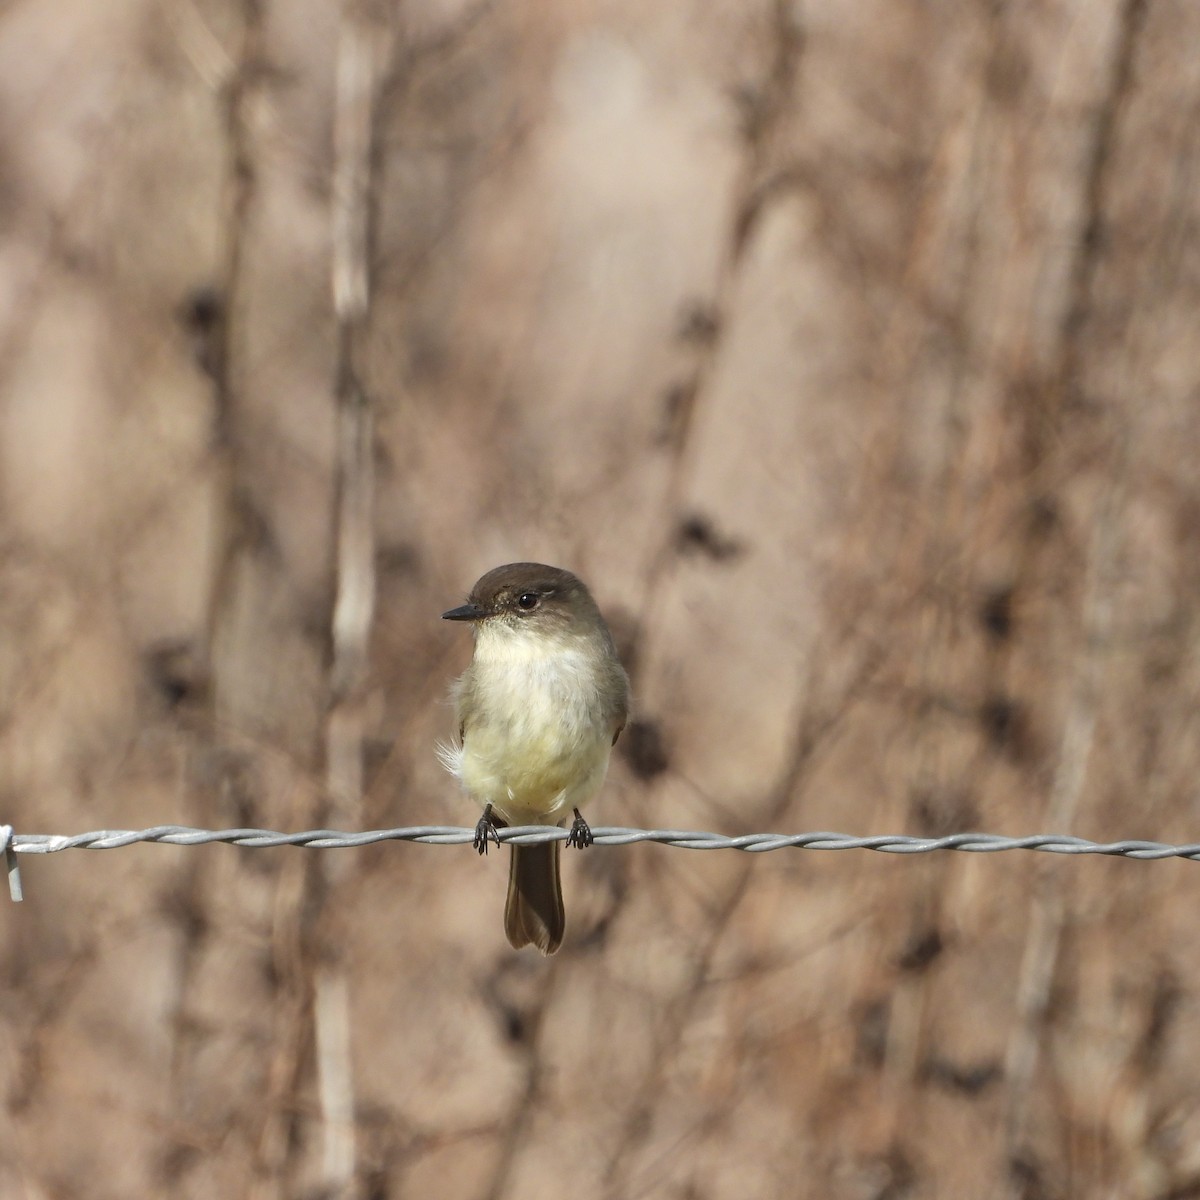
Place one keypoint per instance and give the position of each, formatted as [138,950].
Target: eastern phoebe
[539,709]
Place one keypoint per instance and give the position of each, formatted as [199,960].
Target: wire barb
[10,863]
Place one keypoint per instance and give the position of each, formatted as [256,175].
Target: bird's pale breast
[536,736]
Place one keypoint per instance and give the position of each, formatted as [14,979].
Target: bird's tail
[534,913]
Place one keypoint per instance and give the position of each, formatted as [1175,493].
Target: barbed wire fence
[12,844]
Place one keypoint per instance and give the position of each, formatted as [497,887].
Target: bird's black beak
[467,612]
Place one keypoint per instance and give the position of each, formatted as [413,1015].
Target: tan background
[850,350]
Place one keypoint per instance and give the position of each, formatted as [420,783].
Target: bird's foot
[487,831]
[581,832]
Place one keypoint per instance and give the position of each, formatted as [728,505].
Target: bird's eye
[528,600]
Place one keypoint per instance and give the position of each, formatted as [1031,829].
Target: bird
[539,709]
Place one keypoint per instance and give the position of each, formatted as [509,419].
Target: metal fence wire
[12,844]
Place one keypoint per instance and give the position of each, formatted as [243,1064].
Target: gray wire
[528,835]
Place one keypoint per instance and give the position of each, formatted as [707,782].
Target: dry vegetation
[850,351]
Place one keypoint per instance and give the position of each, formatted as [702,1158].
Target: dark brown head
[532,596]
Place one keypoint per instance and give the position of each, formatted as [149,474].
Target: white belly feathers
[549,752]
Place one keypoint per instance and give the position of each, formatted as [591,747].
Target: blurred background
[849,351]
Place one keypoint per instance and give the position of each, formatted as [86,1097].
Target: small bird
[539,709]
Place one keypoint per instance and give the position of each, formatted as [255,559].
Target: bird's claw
[581,832]
[485,831]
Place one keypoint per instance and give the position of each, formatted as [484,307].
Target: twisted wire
[527,835]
